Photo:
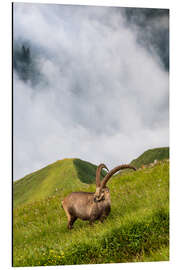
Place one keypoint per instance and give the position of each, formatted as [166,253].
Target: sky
[89,83]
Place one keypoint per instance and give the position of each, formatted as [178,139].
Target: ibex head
[102,191]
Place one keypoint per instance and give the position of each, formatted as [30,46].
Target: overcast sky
[89,83]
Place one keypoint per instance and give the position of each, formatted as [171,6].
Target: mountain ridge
[67,175]
[150,155]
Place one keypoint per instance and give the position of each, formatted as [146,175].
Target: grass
[150,155]
[58,178]
[137,228]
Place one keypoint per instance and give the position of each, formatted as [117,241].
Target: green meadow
[137,229]
[150,155]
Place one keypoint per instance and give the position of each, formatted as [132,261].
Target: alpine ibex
[91,205]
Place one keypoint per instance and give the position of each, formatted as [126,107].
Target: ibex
[91,205]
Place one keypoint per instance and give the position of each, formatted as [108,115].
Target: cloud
[98,94]
[152,27]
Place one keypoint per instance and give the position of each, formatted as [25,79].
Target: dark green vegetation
[137,228]
[86,171]
[150,155]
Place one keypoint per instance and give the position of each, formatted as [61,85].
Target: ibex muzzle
[91,205]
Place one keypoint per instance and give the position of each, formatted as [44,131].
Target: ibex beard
[91,205]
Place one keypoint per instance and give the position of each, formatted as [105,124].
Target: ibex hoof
[91,223]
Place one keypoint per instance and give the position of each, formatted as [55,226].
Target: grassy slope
[136,229]
[150,155]
[56,179]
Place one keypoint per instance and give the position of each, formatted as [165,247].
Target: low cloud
[93,91]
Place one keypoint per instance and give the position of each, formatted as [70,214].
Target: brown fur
[90,205]
[83,205]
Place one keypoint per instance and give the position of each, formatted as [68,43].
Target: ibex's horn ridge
[104,166]
[128,166]
[98,173]
[113,171]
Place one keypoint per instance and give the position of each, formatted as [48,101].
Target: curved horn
[98,174]
[113,171]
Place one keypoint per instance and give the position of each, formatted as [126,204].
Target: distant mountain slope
[86,171]
[150,155]
[68,175]
[62,176]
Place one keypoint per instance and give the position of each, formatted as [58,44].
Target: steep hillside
[86,171]
[56,179]
[67,175]
[136,230]
[150,155]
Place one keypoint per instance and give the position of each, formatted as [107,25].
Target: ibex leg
[69,217]
[71,222]
[105,213]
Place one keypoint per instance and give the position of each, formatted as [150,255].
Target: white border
[121,3]
[5,120]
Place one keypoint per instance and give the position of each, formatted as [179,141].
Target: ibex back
[91,205]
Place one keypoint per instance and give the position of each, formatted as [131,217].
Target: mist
[88,82]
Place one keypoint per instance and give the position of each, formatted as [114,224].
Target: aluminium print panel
[90,98]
